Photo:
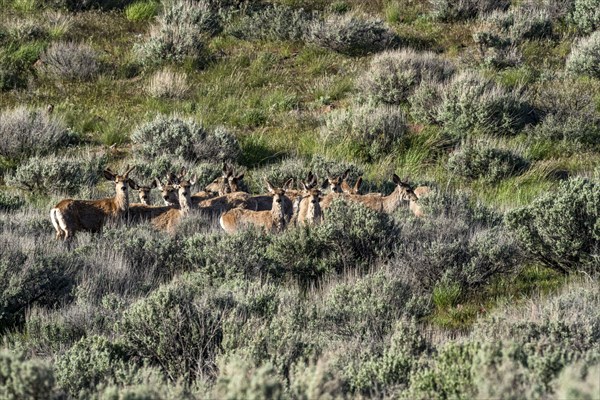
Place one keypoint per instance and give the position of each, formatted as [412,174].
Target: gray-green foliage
[568,112]
[9,202]
[393,75]
[91,361]
[82,5]
[25,132]
[500,32]
[452,10]
[473,161]
[585,56]
[472,102]
[180,33]
[561,229]
[24,378]
[351,35]
[459,243]
[272,22]
[58,174]
[177,138]
[367,130]
[177,328]
[71,61]
[239,379]
[579,381]
[586,15]
[32,274]
[425,102]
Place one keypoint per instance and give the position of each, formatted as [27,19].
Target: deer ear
[270,187]
[240,176]
[153,185]
[358,183]
[325,184]
[158,184]
[193,180]
[108,174]
[304,185]
[396,179]
[132,184]
[289,184]
[345,174]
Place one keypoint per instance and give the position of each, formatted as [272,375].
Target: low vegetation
[440,238]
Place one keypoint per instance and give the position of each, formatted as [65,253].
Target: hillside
[490,291]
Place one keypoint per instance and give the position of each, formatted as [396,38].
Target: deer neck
[314,212]
[185,204]
[393,201]
[278,215]
[121,201]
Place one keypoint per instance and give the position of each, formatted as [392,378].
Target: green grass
[142,11]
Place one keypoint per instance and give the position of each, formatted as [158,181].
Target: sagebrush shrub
[561,229]
[369,305]
[71,61]
[272,22]
[175,138]
[473,161]
[568,112]
[180,33]
[473,102]
[9,202]
[25,132]
[452,10]
[460,243]
[368,131]
[368,368]
[351,35]
[58,174]
[230,256]
[32,275]
[22,378]
[177,328]
[585,56]
[168,84]
[425,102]
[91,361]
[578,381]
[239,379]
[393,75]
[586,15]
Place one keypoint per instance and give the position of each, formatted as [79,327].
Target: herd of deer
[224,199]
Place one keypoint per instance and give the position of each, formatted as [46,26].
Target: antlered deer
[272,220]
[70,216]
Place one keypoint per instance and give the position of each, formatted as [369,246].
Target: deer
[387,204]
[166,217]
[143,191]
[309,210]
[334,183]
[273,220]
[345,186]
[70,216]
[168,192]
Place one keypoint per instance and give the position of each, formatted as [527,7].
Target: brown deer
[334,183]
[309,210]
[168,192]
[345,186]
[390,203]
[70,216]
[143,191]
[166,217]
[273,220]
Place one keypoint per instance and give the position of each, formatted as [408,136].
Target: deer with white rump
[70,216]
